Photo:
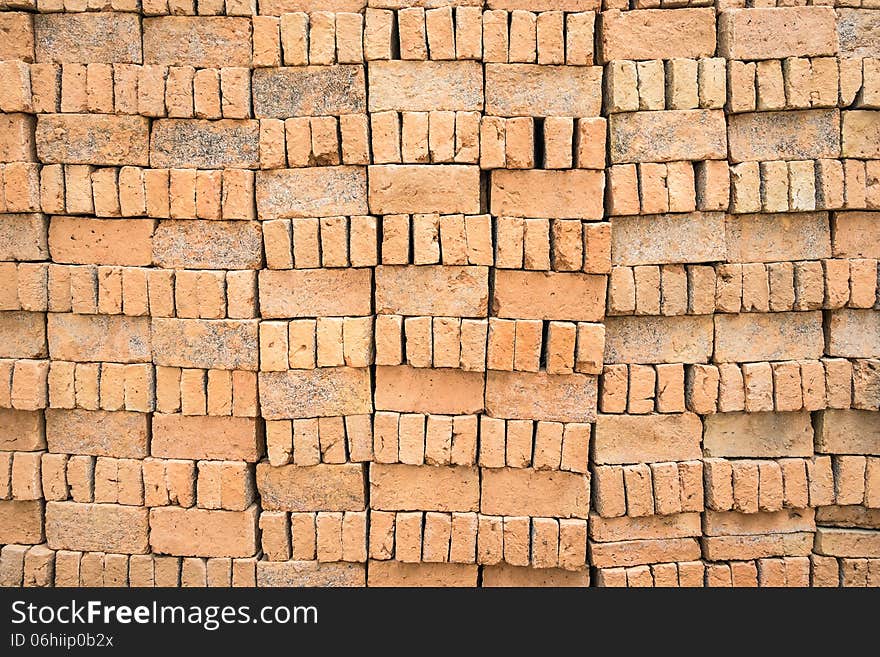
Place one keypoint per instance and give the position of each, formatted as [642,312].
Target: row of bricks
[646,188]
[648,489]
[173,91]
[338,439]
[127,191]
[151,482]
[752,387]
[735,288]
[801,83]
[326,536]
[37,565]
[111,387]
[745,486]
[131,291]
[512,345]
[444,33]
[750,486]
[146,7]
[420,137]
[421,239]
[804,185]
[413,537]
[814,571]
[674,84]
[485,35]
[321,342]
[656,187]
[186,92]
[505,242]
[494,142]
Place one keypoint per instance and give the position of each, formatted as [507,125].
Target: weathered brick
[425,86]
[847,432]
[668,238]
[197,244]
[96,527]
[647,438]
[280,93]
[533,90]
[24,237]
[324,487]
[322,392]
[310,573]
[201,41]
[100,139]
[202,144]
[311,192]
[667,136]
[777,237]
[206,343]
[658,339]
[526,395]
[799,135]
[22,335]
[86,38]
[758,435]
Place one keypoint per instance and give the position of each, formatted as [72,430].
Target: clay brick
[668,238]
[333,391]
[762,435]
[321,293]
[574,193]
[87,38]
[771,336]
[201,41]
[766,135]
[201,532]
[853,334]
[743,33]
[425,86]
[99,139]
[407,389]
[400,487]
[74,526]
[658,339]
[222,437]
[646,438]
[655,34]
[564,296]
[528,89]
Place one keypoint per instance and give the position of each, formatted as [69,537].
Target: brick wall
[439,292]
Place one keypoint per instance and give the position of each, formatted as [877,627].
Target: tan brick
[656,34]
[74,526]
[647,438]
[201,532]
[332,391]
[86,38]
[574,193]
[218,437]
[400,487]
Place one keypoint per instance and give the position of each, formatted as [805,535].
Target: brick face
[439,293]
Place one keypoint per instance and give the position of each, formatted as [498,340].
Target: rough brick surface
[440,293]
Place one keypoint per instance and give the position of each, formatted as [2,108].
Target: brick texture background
[439,292]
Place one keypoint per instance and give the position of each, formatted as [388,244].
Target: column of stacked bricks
[439,292]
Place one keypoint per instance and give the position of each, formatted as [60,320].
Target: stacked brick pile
[514,292]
